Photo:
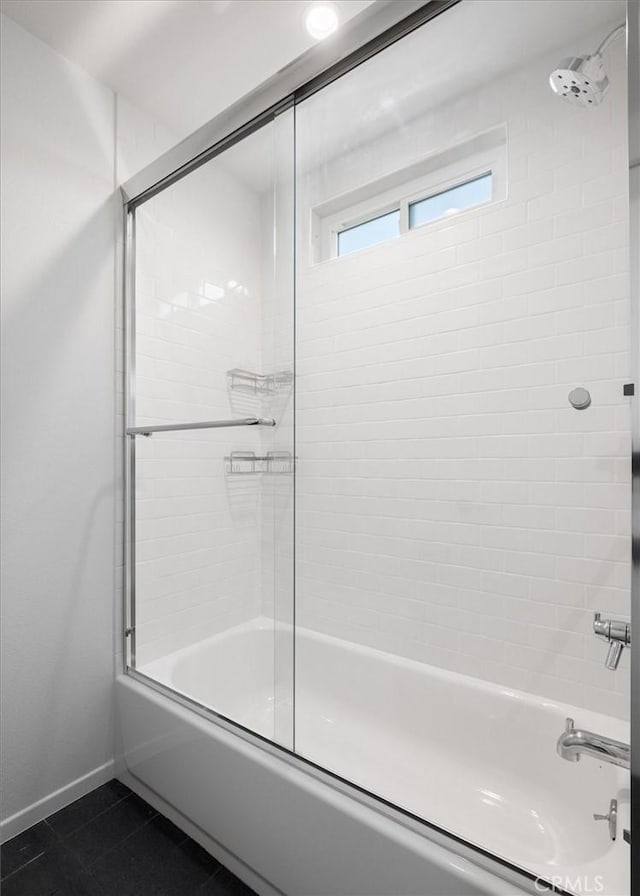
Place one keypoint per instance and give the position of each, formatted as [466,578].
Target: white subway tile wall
[452,507]
[212,294]
[199,283]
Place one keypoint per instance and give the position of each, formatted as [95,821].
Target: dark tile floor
[111,843]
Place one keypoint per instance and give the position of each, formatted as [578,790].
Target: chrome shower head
[581,80]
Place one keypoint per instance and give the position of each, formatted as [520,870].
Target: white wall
[67,142]
[57,436]
[451,506]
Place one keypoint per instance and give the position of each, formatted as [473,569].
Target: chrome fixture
[617,633]
[248,462]
[206,424]
[580,398]
[258,383]
[582,79]
[573,742]
[612,818]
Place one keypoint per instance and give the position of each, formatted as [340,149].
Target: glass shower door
[210,434]
[462,270]
[461,442]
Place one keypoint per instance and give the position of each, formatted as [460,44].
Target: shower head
[580,79]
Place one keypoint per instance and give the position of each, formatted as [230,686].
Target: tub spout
[573,742]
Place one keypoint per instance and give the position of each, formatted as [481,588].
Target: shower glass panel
[212,505]
[458,521]
[460,252]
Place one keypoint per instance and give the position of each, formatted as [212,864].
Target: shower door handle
[205,424]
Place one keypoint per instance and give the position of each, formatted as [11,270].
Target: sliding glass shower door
[210,434]
[416,616]
[463,428]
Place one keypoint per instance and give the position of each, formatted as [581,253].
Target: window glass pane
[369,233]
[474,192]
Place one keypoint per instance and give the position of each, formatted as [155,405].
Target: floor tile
[25,847]
[109,829]
[176,868]
[83,885]
[56,870]
[112,843]
[152,863]
[200,858]
[118,873]
[169,829]
[224,883]
[84,810]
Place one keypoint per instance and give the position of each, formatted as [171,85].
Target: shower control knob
[617,633]
[580,398]
[611,818]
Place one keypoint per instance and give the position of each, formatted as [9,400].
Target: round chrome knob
[579,398]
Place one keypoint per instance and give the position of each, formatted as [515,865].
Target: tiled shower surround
[197,316]
[205,305]
[451,506]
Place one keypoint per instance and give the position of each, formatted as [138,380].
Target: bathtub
[474,759]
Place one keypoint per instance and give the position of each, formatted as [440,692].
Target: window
[426,191]
[412,214]
[368,233]
[448,202]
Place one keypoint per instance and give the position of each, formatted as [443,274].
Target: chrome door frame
[633,75]
[376,28]
[384,23]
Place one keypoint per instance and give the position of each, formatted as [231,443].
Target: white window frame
[405,192]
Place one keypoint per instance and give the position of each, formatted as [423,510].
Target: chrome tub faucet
[573,742]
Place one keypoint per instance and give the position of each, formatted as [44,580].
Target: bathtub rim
[488,861]
[481,686]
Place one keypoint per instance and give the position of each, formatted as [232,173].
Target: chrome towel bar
[206,424]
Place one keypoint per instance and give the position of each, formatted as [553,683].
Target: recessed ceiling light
[321,20]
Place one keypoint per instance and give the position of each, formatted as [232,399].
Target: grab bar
[206,424]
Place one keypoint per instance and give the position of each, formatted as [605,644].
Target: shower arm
[619,29]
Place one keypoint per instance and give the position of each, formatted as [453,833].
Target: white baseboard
[25,818]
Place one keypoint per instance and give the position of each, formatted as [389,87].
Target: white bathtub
[472,758]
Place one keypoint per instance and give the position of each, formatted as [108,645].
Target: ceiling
[183,61]
[427,71]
